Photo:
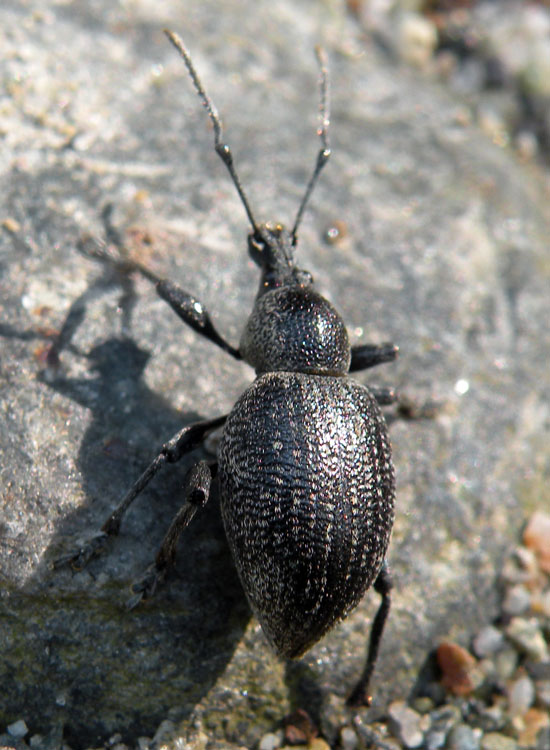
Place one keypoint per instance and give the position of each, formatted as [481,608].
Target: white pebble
[521,695]
[18,729]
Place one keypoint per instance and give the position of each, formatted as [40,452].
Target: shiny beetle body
[307,501]
[305,469]
[304,463]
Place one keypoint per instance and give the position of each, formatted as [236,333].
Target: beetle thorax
[292,328]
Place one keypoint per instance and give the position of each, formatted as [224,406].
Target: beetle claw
[146,587]
[80,556]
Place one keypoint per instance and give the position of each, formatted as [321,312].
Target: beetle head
[271,247]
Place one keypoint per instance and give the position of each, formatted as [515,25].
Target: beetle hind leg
[179,445]
[383,585]
[197,492]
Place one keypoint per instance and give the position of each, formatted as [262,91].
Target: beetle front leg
[383,585]
[183,442]
[197,492]
[192,312]
[370,355]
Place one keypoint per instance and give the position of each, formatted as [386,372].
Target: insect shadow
[169,652]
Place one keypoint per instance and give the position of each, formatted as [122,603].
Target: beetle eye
[256,246]
[305,278]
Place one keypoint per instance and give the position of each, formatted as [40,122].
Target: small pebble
[514,572]
[491,718]
[460,672]
[416,39]
[521,694]
[348,739]
[18,729]
[405,724]
[423,704]
[534,721]
[506,663]
[270,741]
[435,739]
[517,600]
[488,641]
[497,741]
[445,717]
[527,560]
[166,730]
[371,736]
[462,737]
[526,635]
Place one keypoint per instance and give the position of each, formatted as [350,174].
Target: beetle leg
[183,442]
[197,492]
[370,355]
[192,312]
[384,396]
[383,585]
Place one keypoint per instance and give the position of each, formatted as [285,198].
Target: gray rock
[371,737]
[462,737]
[526,635]
[521,694]
[445,254]
[270,741]
[488,641]
[348,739]
[506,662]
[442,720]
[18,729]
[405,724]
[491,719]
[517,600]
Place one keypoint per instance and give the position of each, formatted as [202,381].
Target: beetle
[304,463]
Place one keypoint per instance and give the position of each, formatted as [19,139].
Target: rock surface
[445,253]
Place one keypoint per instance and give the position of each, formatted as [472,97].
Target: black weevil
[304,462]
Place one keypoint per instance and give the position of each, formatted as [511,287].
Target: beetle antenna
[222,149]
[322,131]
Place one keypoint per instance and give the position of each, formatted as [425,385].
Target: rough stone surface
[445,253]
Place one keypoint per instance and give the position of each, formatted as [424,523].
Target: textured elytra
[295,328]
[307,492]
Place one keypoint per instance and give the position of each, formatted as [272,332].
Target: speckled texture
[294,328]
[307,490]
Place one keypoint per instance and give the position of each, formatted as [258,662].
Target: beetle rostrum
[304,462]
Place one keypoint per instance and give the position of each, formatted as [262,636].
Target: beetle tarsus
[79,557]
[197,492]
[146,587]
[383,585]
